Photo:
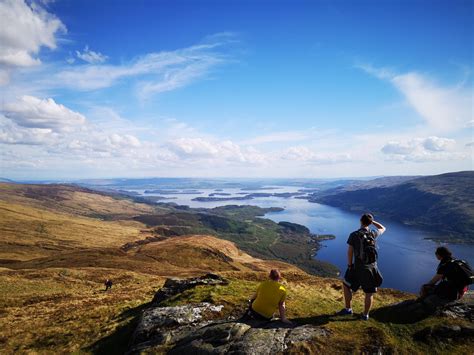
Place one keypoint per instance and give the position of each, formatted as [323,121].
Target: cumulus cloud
[443,108]
[437,144]
[222,151]
[90,56]
[26,27]
[32,112]
[423,149]
[11,133]
[305,154]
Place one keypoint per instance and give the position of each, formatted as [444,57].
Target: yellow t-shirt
[269,295]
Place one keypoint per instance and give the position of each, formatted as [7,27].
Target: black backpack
[462,274]
[367,252]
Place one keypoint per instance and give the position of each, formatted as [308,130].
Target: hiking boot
[344,312]
[364,317]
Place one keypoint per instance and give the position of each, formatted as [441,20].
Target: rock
[445,332]
[193,328]
[457,310]
[173,287]
[163,325]
[241,338]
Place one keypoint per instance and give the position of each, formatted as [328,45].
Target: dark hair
[366,219]
[275,275]
[444,252]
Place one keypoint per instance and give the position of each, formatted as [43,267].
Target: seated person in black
[444,284]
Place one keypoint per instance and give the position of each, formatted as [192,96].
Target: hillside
[64,302]
[42,220]
[53,264]
[442,203]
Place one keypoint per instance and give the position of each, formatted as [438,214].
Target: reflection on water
[406,258]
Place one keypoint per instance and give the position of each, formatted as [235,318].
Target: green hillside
[443,203]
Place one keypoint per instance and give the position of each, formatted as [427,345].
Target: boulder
[235,337]
[173,287]
[445,333]
[160,326]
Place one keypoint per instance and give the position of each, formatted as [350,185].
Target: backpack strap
[362,232]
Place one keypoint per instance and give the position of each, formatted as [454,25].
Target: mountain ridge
[440,203]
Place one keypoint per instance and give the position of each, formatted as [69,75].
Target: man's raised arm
[380,227]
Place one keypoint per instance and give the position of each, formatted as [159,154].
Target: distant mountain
[6,180]
[441,203]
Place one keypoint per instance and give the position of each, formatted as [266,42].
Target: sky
[305,89]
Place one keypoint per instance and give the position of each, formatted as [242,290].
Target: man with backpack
[452,278]
[362,270]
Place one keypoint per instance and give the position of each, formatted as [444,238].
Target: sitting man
[452,278]
[450,282]
[269,297]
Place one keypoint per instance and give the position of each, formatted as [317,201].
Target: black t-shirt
[354,240]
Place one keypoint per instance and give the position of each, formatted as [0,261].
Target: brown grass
[54,258]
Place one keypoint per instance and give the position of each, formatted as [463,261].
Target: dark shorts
[367,277]
[257,316]
[446,290]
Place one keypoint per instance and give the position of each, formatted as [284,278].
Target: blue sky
[235,88]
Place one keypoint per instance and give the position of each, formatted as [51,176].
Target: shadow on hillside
[117,342]
[406,312]
[323,319]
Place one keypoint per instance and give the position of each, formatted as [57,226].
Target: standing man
[362,270]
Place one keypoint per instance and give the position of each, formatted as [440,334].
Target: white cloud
[32,112]
[423,150]
[400,148]
[437,144]
[11,133]
[193,147]
[443,108]
[216,151]
[289,136]
[90,56]
[304,154]
[159,72]
[26,27]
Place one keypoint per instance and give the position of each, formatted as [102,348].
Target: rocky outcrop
[199,328]
[161,326]
[191,329]
[244,338]
[173,287]
[445,333]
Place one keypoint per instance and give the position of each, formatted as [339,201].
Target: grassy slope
[260,237]
[55,303]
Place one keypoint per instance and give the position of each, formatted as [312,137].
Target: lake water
[406,257]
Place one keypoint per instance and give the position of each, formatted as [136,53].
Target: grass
[59,243]
[313,300]
[28,232]
[66,310]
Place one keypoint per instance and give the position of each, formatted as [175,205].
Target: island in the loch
[246,196]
